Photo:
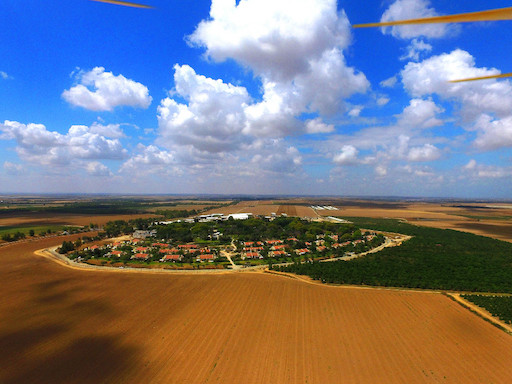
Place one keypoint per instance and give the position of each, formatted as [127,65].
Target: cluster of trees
[499,306]
[433,258]
[14,236]
[67,246]
[255,229]
[283,227]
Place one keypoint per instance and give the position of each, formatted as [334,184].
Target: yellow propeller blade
[125,3]
[483,78]
[490,15]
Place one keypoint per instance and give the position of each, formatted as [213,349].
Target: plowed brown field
[44,218]
[59,325]
[266,207]
[493,221]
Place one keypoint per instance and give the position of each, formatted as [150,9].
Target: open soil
[44,218]
[69,326]
[486,220]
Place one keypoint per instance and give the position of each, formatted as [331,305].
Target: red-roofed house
[277,253]
[206,257]
[251,255]
[116,253]
[171,258]
[140,256]
[271,242]
[302,251]
[163,245]
[141,249]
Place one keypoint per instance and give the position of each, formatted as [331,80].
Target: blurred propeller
[490,15]
[125,3]
[482,78]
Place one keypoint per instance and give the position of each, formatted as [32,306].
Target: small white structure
[240,216]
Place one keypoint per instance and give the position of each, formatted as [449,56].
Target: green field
[37,229]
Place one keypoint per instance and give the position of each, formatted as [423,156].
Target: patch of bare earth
[44,218]
[63,325]
[486,221]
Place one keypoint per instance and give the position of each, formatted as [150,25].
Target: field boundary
[480,312]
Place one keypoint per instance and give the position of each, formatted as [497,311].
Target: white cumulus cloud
[150,160]
[38,145]
[318,126]
[277,158]
[103,91]
[348,155]
[433,74]
[274,38]
[483,171]
[413,9]
[213,118]
[427,152]
[420,114]
[95,168]
[485,106]
[294,48]
[415,49]
[493,134]
[113,131]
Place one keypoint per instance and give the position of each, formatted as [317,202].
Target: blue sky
[253,97]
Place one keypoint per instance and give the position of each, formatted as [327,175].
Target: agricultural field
[23,214]
[63,325]
[486,219]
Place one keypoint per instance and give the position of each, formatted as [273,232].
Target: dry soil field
[266,207]
[482,219]
[59,325]
[45,218]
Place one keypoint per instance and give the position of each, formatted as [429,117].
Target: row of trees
[15,236]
